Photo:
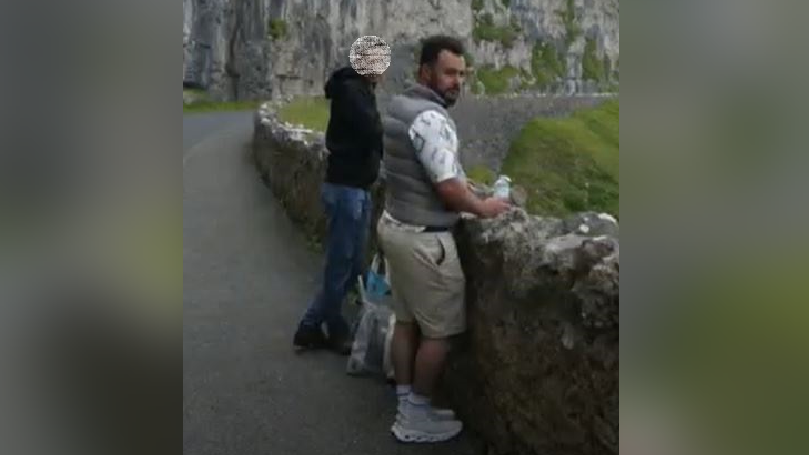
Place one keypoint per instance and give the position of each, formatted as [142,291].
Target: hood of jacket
[339,77]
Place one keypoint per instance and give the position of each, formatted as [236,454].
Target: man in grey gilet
[426,193]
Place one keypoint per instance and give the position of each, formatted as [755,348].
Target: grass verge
[569,165]
[311,112]
[216,106]
[481,174]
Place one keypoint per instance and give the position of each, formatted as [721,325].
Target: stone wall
[538,371]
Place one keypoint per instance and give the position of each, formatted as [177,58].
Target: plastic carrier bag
[373,331]
[377,281]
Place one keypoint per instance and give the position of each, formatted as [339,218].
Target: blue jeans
[348,211]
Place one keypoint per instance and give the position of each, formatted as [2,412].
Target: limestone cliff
[268,48]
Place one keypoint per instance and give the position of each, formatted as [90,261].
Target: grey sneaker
[423,425]
[444,414]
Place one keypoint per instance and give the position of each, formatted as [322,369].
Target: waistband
[436,229]
[390,220]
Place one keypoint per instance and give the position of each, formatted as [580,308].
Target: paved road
[247,278]
[196,127]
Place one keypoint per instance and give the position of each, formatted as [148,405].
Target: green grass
[202,103]
[195,92]
[216,106]
[311,112]
[569,165]
[496,81]
[481,174]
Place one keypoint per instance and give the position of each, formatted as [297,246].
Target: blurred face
[371,61]
[446,77]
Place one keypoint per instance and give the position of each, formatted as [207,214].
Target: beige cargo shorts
[427,280]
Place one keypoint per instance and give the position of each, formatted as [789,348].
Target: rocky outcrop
[538,371]
[263,49]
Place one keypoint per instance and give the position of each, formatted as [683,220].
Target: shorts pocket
[442,252]
[448,252]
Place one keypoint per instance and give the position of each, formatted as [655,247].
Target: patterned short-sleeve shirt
[437,146]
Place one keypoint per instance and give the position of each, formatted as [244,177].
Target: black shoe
[309,338]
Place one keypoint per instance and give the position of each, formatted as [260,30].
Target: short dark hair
[434,45]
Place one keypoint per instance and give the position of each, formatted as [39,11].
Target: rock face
[263,49]
[538,371]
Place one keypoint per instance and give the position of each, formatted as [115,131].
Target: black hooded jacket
[354,134]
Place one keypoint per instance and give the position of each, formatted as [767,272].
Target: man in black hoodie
[354,141]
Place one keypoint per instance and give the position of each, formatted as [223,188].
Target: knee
[435,348]
[405,329]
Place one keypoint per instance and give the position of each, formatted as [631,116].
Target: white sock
[402,391]
[418,400]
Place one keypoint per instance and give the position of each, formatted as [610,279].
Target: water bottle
[502,189]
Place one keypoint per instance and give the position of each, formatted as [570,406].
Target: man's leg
[403,351]
[404,343]
[310,333]
[430,361]
[341,268]
[435,295]
[360,241]
[440,312]
[417,420]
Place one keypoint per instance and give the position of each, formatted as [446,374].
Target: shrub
[278,29]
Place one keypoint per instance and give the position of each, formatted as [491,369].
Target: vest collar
[423,92]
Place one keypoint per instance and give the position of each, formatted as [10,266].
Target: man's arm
[436,144]
[457,197]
